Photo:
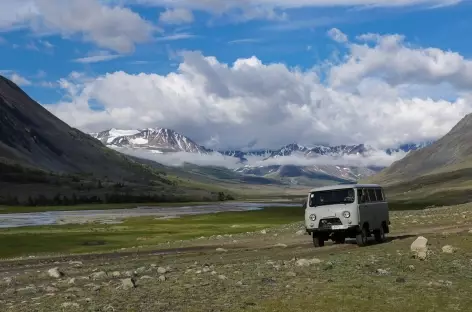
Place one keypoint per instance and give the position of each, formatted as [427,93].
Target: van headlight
[346,214]
[312,217]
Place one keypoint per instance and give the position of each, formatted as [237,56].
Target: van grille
[327,223]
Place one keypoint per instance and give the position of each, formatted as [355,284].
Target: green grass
[142,231]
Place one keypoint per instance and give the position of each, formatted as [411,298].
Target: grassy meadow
[140,231]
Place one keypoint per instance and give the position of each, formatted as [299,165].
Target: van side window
[383,195]
[360,196]
[372,195]
[378,193]
[365,194]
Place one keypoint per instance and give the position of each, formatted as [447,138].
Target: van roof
[342,186]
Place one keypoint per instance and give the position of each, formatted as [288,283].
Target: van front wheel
[361,237]
[318,241]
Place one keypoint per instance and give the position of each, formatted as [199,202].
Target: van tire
[380,235]
[318,241]
[361,237]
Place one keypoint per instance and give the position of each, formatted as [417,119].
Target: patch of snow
[139,141]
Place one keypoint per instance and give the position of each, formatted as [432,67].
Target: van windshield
[332,197]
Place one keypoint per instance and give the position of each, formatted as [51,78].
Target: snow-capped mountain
[161,140]
[408,147]
[158,140]
[300,150]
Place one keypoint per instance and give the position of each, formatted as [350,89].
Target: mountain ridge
[162,140]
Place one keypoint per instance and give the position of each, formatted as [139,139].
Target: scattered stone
[307,262]
[440,284]
[116,274]
[128,283]
[222,277]
[448,249]
[280,245]
[263,232]
[162,278]
[74,290]
[382,272]
[301,232]
[144,277]
[7,280]
[291,274]
[76,263]
[239,283]
[153,265]
[221,250]
[98,275]
[213,273]
[420,248]
[140,270]
[161,270]
[411,267]
[206,270]
[71,281]
[55,273]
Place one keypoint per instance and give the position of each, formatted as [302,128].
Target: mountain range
[162,140]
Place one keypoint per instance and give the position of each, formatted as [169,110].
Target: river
[118,215]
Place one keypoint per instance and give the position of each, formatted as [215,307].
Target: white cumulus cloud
[113,27]
[176,16]
[373,96]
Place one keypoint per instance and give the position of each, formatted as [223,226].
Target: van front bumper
[335,228]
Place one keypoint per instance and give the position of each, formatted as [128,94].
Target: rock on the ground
[280,245]
[301,232]
[307,262]
[222,277]
[161,270]
[221,250]
[162,278]
[116,274]
[448,249]
[382,272]
[420,248]
[128,283]
[98,275]
[411,267]
[263,232]
[55,272]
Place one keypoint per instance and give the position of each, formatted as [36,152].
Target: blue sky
[301,41]
[46,41]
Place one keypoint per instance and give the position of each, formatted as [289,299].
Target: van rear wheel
[318,241]
[379,235]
